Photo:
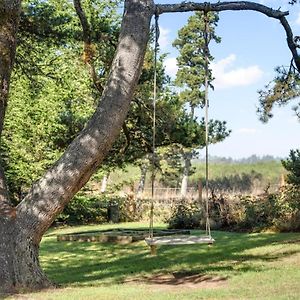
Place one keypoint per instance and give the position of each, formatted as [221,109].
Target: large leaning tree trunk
[20,235]
[22,227]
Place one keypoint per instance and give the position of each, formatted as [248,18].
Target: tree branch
[89,49]
[128,139]
[237,5]
[220,6]
[291,41]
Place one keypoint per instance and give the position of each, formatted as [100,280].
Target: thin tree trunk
[9,21]
[104,182]
[187,156]
[141,186]
[186,173]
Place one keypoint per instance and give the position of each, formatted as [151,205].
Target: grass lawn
[238,266]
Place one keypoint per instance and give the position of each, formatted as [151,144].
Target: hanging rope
[206,56]
[156,46]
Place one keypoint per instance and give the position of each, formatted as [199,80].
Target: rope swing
[206,86]
[152,241]
[156,47]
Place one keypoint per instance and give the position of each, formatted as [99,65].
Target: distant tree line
[247,160]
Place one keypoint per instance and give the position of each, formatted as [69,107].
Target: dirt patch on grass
[292,242]
[180,280]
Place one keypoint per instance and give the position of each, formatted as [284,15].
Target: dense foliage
[185,216]
[42,118]
[278,211]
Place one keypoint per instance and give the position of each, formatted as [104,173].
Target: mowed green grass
[245,266]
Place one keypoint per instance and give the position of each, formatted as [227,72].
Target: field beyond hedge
[271,173]
[237,266]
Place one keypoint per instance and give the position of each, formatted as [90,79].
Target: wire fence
[164,193]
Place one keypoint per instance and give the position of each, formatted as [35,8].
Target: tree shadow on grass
[94,263]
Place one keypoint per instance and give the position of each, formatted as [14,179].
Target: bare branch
[238,5]
[291,41]
[84,22]
[128,139]
[220,6]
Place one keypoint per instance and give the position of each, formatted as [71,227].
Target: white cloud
[298,19]
[236,77]
[294,120]
[163,40]
[248,131]
[171,66]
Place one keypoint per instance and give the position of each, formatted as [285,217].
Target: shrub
[185,216]
[225,211]
[288,217]
[83,210]
[280,210]
[259,211]
[130,209]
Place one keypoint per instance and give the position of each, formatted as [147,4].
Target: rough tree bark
[9,20]
[20,236]
[21,232]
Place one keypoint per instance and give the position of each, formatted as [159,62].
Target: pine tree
[191,60]
[292,165]
[192,43]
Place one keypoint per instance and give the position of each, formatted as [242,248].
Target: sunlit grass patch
[250,266]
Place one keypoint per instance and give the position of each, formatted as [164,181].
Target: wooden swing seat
[179,240]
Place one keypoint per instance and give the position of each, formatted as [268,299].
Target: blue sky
[252,46]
